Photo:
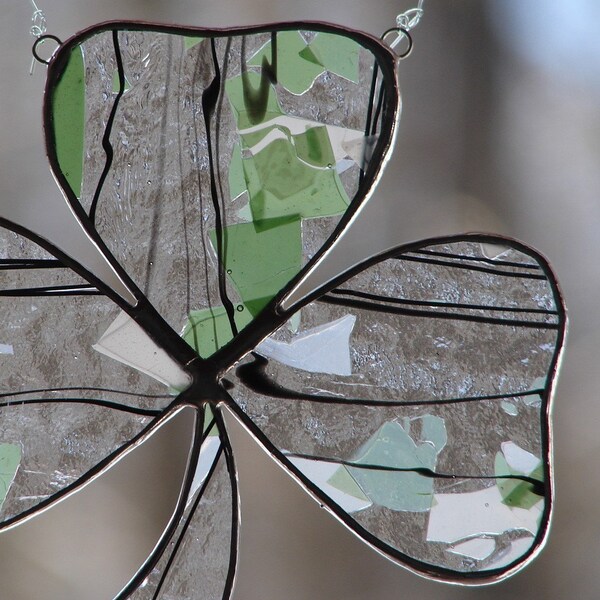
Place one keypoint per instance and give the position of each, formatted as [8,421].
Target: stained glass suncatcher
[205,172]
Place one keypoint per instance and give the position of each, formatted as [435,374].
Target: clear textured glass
[418,394]
[239,152]
[213,168]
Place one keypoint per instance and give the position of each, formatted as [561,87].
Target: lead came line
[444,263]
[371,306]
[366,295]
[490,261]
[537,485]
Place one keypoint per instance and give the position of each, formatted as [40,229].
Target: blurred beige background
[500,132]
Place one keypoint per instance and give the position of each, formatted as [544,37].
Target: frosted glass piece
[126,342]
[323,349]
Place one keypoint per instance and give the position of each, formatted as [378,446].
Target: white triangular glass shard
[323,349]
[127,342]
[320,472]
[518,459]
[206,459]
[456,516]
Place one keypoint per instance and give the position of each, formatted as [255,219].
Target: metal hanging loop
[400,35]
[40,40]
[405,23]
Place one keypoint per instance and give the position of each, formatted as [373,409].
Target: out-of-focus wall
[501,133]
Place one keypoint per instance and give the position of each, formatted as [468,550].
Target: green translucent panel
[300,63]
[509,408]
[237,181]
[190,41]
[281,184]
[116,87]
[209,329]
[393,446]
[253,99]
[68,116]
[10,458]
[313,146]
[343,481]
[294,72]
[338,54]
[515,493]
[261,258]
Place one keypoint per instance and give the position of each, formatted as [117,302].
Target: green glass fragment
[344,482]
[307,54]
[313,146]
[237,182]
[10,459]
[393,446]
[295,72]
[299,64]
[117,83]
[281,184]
[338,54]
[253,99]
[209,329]
[68,117]
[294,322]
[509,408]
[261,258]
[516,493]
[191,41]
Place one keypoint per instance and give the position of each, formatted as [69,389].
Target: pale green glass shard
[10,459]
[509,408]
[294,322]
[343,481]
[209,329]
[535,400]
[313,146]
[261,258]
[245,213]
[280,184]
[294,72]
[190,42]
[338,54]
[68,118]
[253,99]
[310,56]
[433,430]
[237,182]
[393,446]
[516,493]
[117,83]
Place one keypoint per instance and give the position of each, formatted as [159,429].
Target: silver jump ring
[41,40]
[401,34]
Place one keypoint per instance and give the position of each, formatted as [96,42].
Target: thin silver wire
[409,19]
[38,28]
[406,22]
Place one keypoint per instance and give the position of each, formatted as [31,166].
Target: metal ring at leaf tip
[41,40]
[401,32]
